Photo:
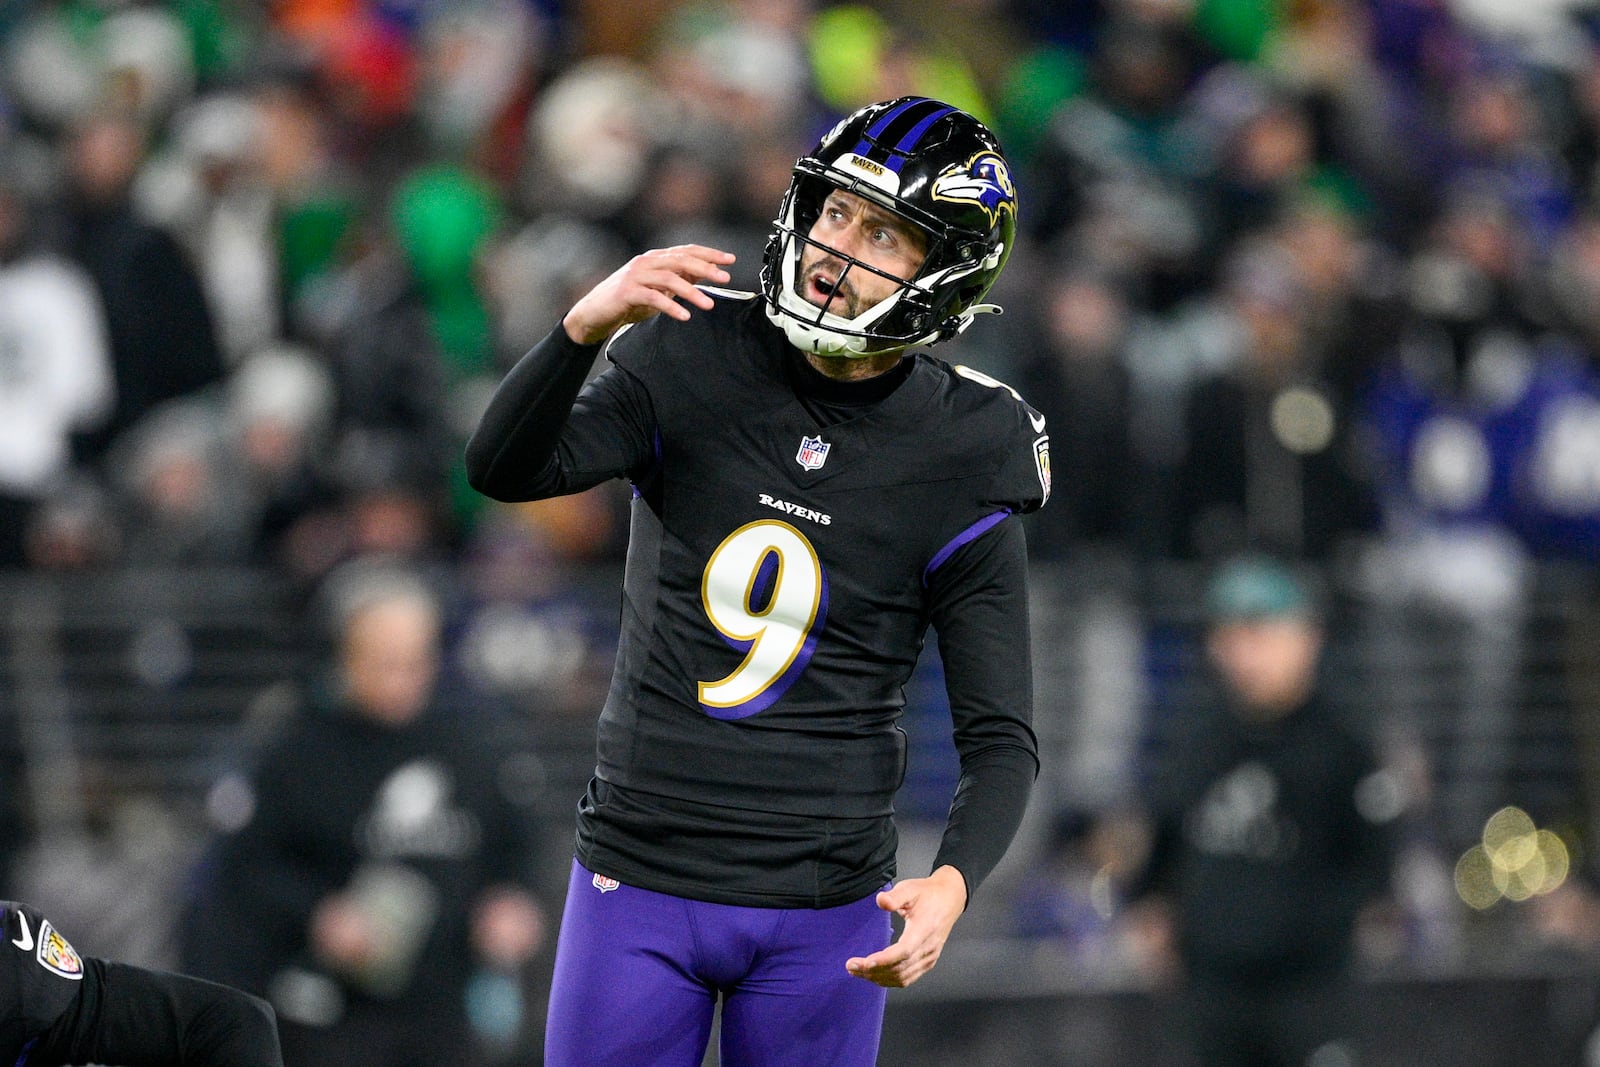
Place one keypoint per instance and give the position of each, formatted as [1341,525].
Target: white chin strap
[820,338]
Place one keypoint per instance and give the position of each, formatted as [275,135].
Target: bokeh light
[1515,861]
[1303,420]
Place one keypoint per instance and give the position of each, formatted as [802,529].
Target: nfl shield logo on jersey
[813,453]
[604,884]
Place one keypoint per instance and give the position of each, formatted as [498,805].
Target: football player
[59,1008]
[809,497]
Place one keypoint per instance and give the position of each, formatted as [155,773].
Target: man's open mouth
[825,290]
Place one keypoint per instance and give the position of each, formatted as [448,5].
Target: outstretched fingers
[901,963]
[660,281]
[704,260]
[658,288]
[678,270]
[930,907]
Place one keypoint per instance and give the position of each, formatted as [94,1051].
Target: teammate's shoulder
[15,916]
[35,941]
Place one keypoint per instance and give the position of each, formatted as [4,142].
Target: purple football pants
[638,974]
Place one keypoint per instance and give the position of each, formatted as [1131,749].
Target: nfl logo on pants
[813,453]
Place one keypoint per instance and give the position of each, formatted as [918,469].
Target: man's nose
[851,240]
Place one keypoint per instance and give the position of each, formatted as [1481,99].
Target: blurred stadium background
[1318,277]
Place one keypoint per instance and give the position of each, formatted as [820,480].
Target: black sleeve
[40,977]
[980,609]
[141,1018]
[545,433]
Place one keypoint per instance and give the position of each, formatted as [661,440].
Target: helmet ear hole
[935,166]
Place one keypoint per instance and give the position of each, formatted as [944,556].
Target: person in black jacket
[1269,835]
[383,855]
[162,335]
[58,1008]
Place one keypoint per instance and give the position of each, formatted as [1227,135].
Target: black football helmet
[933,165]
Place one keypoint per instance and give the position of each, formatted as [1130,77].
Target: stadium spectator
[389,375]
[1267,161]
[1269,819]
[1124,157]
[529,629]
[55,366]
[1352,312]
[1502,149]
[210,189]
[1270,464]
[177,506]
[163,343]
[1078,377]
[277,421]
[380,854]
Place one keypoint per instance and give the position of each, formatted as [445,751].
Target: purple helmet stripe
[909,141]
[901,153]
[875,141]
[876,129]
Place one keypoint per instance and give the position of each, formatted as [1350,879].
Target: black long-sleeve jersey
[792,539]
[57,1008]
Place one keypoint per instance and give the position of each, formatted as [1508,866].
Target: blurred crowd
[1315,278]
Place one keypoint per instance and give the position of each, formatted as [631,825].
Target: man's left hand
[930,907]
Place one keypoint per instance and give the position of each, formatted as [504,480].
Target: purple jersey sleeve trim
[655,465]
[965,537]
